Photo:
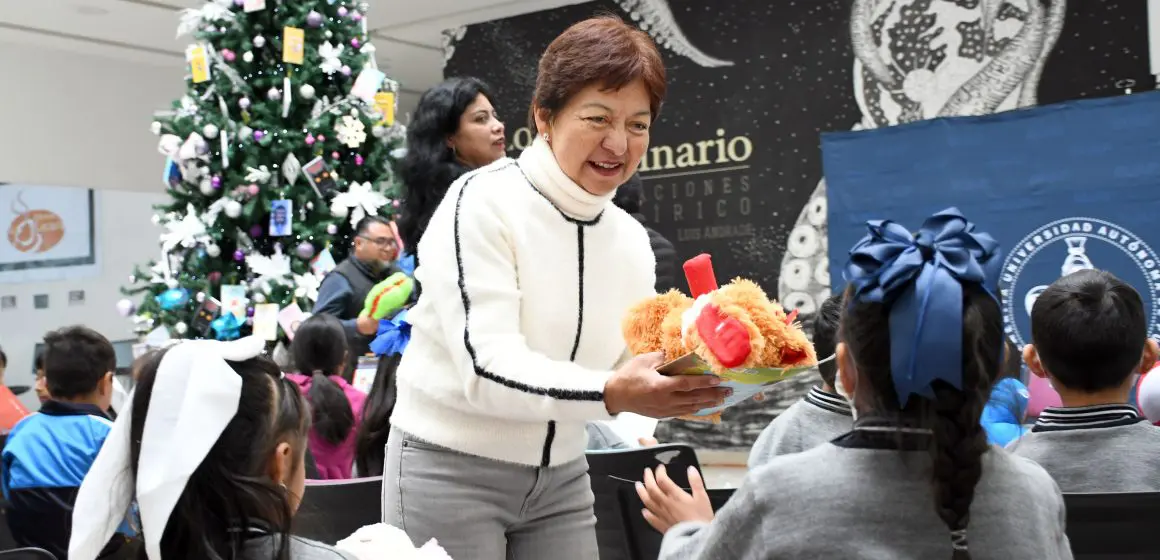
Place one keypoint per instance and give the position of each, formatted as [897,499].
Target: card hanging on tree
[198,63]
[323,263]
[254,5]
[367,83]
[266,321]
[281,217]
[321,177]
[234,300]
[172,175]
[293,45]
[385,102]
[290,318]
[206,313]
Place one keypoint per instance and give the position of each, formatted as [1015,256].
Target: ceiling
[407,34]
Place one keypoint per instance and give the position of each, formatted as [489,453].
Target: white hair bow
[187,414]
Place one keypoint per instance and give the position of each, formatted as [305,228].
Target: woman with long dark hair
[455,129]
[373,431]
[320,353]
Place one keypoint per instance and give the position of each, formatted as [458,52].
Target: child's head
[826,337]
[78,366]
[1089,334]
[41,383]
[320,350]
[921,340]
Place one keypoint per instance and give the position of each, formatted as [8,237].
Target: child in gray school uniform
[822,414]
[918,346]
[1089,336]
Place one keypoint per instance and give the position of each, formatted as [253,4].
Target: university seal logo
[1066,246]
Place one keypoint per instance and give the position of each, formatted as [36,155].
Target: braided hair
[952,415]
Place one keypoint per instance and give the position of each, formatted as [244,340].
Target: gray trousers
[482,509]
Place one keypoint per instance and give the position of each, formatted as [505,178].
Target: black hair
[231,488]
[1012,362]
[375,428]
[825,337]
[364,225]
[320,350]
[430,165]
[75,360]
[1089,330]
[630,196]
[3,359]
[958,440]
[38,361]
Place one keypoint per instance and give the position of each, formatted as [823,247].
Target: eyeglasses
[380,241]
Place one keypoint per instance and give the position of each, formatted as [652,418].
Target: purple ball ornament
[244,103]
[342,11]
[259,135]
[249,312]
[345,70]
[305,250]
[356,16]
[229,55]
[252,189]
[309,140]
[255,231]
[216,182]
[239,255]
[331,229]
[314,19]
[355,42]
[358,159]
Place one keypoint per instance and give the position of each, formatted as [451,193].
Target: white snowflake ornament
[186,232]
[330,61]
[361,199]
[351,131]
[273,268]
[306,286]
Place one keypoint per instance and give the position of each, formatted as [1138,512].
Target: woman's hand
[666,504]
[637,387]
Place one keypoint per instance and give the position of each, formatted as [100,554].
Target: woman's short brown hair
[601,50]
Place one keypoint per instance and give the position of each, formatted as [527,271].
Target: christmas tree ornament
[259,41]
[331,229]
[306,91]
[226,327]
[239,255]
[335,155]
[249,312]
[306,286]
[309,140]
[338,210]
[274,94]
[248,57]
[260,174]
[321,138]
[329,34]
[305,250]
[125,307]
[379,131]
[252,189]
[155,127]
[228,55]
[233,208]
[293,45]
[358,159]
[216,182]
[210,131]
[314,19]
[245,132]
[180,327]
[342,11]
[155,219]
[351,131]
[172,283]
[330,57]
[172,298]
[259,134]
[356,16]
[200,297]
[244,103]
[215,276]
[345,70]
[361,199]
[355,42]
[213,251]
[256,231]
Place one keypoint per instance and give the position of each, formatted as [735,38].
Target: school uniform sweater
[526,278]
[818,417]
[1105,448]
[861,497]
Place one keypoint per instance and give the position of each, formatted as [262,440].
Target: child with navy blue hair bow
[920,339]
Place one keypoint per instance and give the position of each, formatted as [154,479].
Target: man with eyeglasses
[344,290]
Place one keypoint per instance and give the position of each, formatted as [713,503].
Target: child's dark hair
[375,427]
[826,336]
[320,350]
[958,441]
[1089,330]
[230,490]
[75,360]
[38,361]
[1012,362]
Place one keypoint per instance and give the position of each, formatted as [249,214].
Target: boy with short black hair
[48,454]
[1089,336]
[41,383]
[822,414]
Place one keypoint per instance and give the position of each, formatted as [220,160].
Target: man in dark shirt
[344,290]
[630,197]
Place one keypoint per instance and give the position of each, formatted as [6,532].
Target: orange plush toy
[733,329]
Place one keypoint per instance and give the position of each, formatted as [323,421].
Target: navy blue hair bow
[920,277]
[393,335]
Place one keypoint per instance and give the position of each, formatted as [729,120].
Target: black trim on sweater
[555,393]
[829,402]
[576,221]
[885,433]
[1059,419]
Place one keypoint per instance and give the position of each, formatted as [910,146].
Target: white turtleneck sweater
[526,278]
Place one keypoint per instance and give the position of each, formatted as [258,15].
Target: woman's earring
[547,138]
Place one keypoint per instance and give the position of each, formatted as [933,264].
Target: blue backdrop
[1062,187]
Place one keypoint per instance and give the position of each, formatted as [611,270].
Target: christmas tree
[284,140]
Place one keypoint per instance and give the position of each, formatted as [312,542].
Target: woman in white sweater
[527,270]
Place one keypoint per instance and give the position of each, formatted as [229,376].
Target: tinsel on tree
[284,139]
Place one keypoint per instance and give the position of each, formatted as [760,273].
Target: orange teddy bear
[733,327]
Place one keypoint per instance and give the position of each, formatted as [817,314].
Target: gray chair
[1113,526]
[333,509]
[27,554]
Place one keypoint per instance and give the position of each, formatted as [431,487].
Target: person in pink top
[320,354]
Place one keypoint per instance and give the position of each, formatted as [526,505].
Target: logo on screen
[33,231]
[1069,245]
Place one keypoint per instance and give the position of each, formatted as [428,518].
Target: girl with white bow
[211,448]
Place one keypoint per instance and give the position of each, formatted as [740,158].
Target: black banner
[734,168]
